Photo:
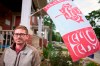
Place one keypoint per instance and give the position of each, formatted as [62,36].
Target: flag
[75,30]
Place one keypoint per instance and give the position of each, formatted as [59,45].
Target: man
[20,53]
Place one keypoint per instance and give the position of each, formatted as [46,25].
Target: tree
[48,22]
[99,1]
[97,31]
[94,17]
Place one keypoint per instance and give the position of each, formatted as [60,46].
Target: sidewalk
[97,57]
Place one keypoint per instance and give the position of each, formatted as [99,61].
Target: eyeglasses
[19,34]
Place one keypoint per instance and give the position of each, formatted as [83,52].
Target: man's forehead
[20,31]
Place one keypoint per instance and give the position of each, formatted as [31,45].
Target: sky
[86,6]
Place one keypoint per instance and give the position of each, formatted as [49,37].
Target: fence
[5,39]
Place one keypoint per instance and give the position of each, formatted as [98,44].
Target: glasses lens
[19,34]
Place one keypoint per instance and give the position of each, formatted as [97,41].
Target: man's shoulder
[33,50]
[8,48]
[31,47]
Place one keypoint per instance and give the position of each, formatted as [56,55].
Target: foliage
[59,59]
[93,17]
[48,22]
[47,51]
[91,64]
[58,37]
[53,36]
[97,31]
[58,56]
[99,1]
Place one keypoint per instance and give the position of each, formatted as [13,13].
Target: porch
[35,40]
[6,39]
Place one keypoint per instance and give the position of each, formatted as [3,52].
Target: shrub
[91,64]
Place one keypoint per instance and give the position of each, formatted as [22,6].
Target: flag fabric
[75,30]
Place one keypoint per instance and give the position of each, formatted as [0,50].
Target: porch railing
[5,39]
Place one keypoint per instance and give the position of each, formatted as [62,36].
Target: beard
[19,42]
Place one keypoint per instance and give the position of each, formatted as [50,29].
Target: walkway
[96,57]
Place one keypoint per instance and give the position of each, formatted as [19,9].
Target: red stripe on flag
[81,43]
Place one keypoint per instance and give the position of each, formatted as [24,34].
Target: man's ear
[27,37]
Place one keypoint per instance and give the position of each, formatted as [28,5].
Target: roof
[16,5]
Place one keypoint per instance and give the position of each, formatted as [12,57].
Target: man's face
[20,36]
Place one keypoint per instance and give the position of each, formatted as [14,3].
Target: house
[10,17]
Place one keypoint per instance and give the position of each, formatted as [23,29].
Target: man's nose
[19,36]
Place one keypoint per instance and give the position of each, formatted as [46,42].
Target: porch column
[40,27]
[25,13]
[45,33]
[13,21]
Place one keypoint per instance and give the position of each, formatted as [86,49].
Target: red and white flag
[75,30]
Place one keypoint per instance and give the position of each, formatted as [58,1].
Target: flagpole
[37,11]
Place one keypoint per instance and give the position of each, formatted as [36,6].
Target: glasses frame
[19,34]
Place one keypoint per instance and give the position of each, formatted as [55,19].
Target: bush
[91,64]
[58,56]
